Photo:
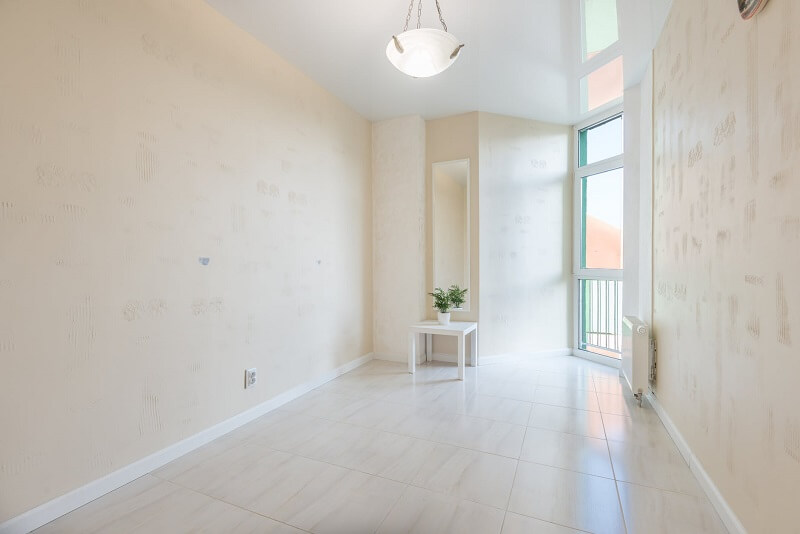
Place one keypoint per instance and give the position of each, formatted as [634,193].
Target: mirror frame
[468,266]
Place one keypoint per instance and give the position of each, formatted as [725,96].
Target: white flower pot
[444,318]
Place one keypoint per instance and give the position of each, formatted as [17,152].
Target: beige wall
[136,138]
[398,173]
[727,249]
[525,235]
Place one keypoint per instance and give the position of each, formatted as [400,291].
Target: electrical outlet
[250,377]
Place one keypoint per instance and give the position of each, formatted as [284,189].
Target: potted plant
[457,296]
[441,301]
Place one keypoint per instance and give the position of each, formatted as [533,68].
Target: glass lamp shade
[426,52]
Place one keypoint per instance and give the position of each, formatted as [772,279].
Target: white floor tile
[466,474]
[599,370]
[498,408]
[371,451]
[452,397]
[485,435]
[614,385]
[570,420]
[336,443]
[663,512]
[508,371]
[374,413]
[567,365]
[304,493]
[425,512]
[418,422]
[567,451]
[641,430]
[150,505]
[206,453]
[286,431]
[655,465]
[520,524]
[353,502]
[625,405]
[576,500]
[325,404]
[567,381]
[510,389]
[568,398]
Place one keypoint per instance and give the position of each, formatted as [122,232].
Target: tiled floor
[547,445]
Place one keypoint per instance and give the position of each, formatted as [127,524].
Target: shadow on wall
[525,235]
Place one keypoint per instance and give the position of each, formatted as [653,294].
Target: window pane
[601,141]
[602,86]
[599,26]
[601,220]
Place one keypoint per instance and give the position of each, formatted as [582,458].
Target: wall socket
[250,377]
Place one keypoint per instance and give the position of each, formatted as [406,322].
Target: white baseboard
[719,503]
[398,358]
[597,358]
[43,514]
[545,353]
[451,358]
[484,360]
[501,358]
[439,357]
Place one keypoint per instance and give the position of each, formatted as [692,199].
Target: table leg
[461,356]
[412,352]
[428,347]
[473,348]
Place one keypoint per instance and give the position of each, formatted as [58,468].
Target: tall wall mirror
[451,254]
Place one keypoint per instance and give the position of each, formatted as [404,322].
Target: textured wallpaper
[398,192]
[727,248]
[177,203]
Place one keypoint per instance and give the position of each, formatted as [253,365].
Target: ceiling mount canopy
[423,52]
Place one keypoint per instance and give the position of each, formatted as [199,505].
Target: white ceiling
[521,56]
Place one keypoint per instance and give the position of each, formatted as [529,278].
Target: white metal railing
[600,318]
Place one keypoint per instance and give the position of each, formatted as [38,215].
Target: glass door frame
[578,272]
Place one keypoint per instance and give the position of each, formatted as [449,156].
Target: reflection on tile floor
[544,445]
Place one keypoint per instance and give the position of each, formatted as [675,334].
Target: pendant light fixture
[423,52]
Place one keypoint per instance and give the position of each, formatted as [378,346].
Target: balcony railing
[601,317]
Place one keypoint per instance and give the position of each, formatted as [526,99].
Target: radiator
[637,363]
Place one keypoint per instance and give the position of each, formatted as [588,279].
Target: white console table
[431,328]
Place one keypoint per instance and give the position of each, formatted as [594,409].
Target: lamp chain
[419,15]
[441,19]
[408,17]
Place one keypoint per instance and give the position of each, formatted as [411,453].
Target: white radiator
[636,361]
